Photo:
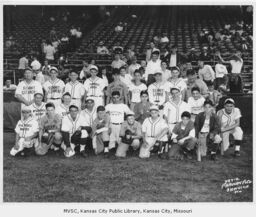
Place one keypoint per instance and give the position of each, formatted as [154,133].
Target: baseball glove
[127,138]
[75,138]
[175,152]
[42,148]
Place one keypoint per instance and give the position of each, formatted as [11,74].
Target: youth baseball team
[171,119]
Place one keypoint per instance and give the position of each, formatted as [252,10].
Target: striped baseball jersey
[94,87]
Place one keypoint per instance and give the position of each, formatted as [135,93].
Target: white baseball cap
[154,107]
[94,67]
[229,100]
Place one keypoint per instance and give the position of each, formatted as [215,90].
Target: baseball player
[207,128]
[26,133]
[174,108]
[94,87]
[141,109]
[101,131]
[38,107]
[177,81]
[130,135]
[63,108]
[158,92]
[27,88]
[49,131]
[154,134]
[136,88]
[196,102]
[230,124]
[119,86]
[183,139]
[54,88]
[116,111]
[89,113]
[75,89]
[75,132]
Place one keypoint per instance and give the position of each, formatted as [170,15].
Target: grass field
[95,179]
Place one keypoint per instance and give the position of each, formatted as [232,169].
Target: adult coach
[27,88]
[54,88]
[230,124]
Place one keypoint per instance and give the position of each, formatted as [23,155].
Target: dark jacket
[215,125]
[180,59]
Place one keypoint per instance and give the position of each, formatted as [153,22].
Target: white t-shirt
[127,79]
[220,70]
[197,106]
[236,66]
[206,126]
[173,60]
[54,89]
[90,116]
[28,90]
[152,129]
[116,112]
[166,75]
[49,52]
[180,83]
[35,65]
[76,89]
[152,67]
[164,40]
[78,34]
[132,68]
[70,125]
[136,90]
[27,128]
[94,87]
[174,111]
[229,119]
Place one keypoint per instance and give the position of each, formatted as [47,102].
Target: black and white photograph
[127,104]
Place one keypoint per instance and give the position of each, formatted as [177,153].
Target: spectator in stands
[72,41]
[235,83]
[85,72]
[166,73]
[173,58]
[35,64]
[104,75]
[205,72]
[150,49]
[117,62]
[64,43]
[157,38]
[235,61]
[49,51]
[9,86]
[53,35]
[205,55]
[118,49]
[23,64]
[46,68]
[193,81]
[134,66]
[192,57]
[43,45]
[131,51]
[101,49]
[10,43]
[221,74]
[164,39]
[119,27]
[79,35]
[153,65]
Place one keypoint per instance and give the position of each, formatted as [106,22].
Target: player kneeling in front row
[26,133]
[101,132]
[130,135]
[207,128]
[183,138]
[49,131]
[230,124]
[75,132]
[154,134]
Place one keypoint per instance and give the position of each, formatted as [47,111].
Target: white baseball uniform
[54,90]
[152,129]
[38,111]
[228,120]
[157,93]
[173,111]
[25,128]
[116,114]
[27,90]
[90,116]
[196,106]
[180,83]
[62,110]
[94,88]
[76,90]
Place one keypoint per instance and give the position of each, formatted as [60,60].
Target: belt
[204,132]
[116,123]
[75,98]
[95,96]
[55,98]
[151,136]
[173,123]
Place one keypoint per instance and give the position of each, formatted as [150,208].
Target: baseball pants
[203,143]
[171,127]
[236,132]
[22,144]
[98,141]
[123,148]
[145,148]
[114,135]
